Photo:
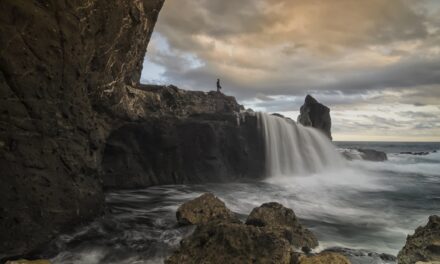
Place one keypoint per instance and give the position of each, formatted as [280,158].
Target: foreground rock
[203,210]
[232,243]
[283,220]
[315,114]
[423,245]
[322,258]
[270,235]
[364,154]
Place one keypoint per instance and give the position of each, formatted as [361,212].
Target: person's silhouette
[218,85]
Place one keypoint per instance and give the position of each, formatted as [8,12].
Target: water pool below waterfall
[366,205]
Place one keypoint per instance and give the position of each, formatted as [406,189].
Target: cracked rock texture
[424,245]
[61,65]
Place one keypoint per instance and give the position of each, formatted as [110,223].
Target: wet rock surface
[373,155]
[364,154]
[270,235]
[283,220]
[317,115]
[203,210]
[423,245]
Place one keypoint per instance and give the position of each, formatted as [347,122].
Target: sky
[375,63]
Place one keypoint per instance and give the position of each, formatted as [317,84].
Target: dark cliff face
[315,114]
[59,63]
[74,121]
[208,147]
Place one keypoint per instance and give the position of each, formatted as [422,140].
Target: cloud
[271,53]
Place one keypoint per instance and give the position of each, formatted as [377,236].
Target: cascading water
[293,149]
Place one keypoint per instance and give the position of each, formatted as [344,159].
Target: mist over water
[358,204]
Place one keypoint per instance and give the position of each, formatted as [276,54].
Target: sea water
[366,205]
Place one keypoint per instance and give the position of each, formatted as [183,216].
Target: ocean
[362,205]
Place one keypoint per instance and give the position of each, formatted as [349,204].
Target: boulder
[232,243]
[203,210]
[322,258]
[267,237]
[373,155]
[423,245]
[279,218]
[364,154]
[315,114]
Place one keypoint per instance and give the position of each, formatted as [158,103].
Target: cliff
[165,135]
[74,120]
[59,62]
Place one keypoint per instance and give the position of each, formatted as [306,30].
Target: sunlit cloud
[375,63]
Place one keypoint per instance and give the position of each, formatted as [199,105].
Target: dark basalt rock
[201,148]
[61,64]
[364,154]
[423,153]
[373,155]
[315,114]
[276,216]
[423,245]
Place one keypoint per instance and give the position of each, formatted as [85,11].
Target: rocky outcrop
[278,217]
[373,155]
[364,154]
[232,243]
[203,210]
[423,245]
[267,237]
[315,114]
[419,153]
[64,65]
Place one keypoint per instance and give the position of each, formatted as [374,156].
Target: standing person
[218,86]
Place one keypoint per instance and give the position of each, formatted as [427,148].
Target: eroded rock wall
[170,150]
[61,65]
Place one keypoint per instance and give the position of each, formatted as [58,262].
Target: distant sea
[391,147]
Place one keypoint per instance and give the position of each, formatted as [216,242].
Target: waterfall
[292,149]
